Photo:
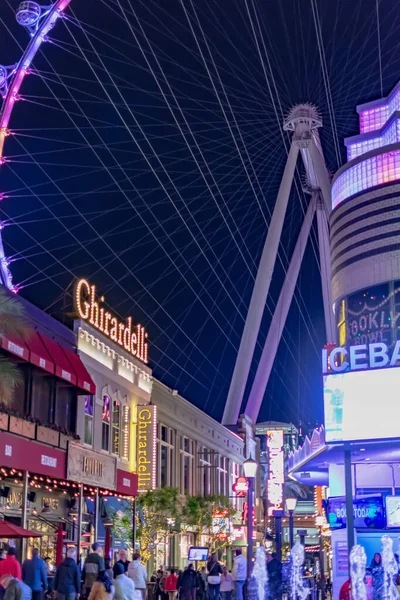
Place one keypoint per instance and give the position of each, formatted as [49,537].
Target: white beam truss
[304,121]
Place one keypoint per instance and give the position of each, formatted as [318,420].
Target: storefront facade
[197,455]
[45,469]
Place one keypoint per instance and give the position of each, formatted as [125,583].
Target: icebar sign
[357,358]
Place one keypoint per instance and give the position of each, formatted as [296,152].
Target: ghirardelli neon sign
[90,309]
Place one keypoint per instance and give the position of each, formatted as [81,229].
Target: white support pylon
[280,315]
[259,295]
[326,271]
[304,121]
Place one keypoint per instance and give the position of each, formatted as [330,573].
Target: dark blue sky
[147,157]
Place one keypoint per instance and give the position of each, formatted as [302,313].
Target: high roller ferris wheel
[38,20]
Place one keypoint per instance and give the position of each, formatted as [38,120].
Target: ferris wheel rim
[17,76]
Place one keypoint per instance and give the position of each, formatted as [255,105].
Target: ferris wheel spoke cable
[298,297]
[103,240]
[102,188]
[42,208]
[161,182]
[214,182]
[182,3]
[235,71]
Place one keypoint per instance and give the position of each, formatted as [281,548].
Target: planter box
[47,436]
[4,421]
[22,427]
[64,439]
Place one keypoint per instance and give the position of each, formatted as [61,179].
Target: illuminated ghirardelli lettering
[90,309]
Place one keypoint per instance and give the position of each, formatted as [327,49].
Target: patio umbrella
[9,530]
[107,543]
[59,545]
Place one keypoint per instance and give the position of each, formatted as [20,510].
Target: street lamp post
[250,471]
[291,504]
[319,521]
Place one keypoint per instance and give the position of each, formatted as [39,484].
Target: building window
[41,397]
[165,451]
[116,426]
[89,413]
[186,466]
[204,471]
[125,432]
[65,407]
[222,475]
[105,424]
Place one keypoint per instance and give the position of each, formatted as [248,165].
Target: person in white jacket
[137,572]
[239,573]
[124,587]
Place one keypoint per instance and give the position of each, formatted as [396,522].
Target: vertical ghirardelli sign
[91,468]
[146,447]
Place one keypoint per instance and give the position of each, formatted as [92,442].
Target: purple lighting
[12,94]
[377,168]
[373,171]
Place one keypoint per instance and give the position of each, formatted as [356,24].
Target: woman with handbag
[214,577]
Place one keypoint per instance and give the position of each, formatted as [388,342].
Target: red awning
[49,355]
[16,346]
[63,367]
[84,381]
[39,356]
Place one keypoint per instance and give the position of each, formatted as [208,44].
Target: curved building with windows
[365,228]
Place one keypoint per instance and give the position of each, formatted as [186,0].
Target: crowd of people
[125,580]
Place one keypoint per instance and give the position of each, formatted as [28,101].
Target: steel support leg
[259,295]
[280,315]
[326,273]
[322,175]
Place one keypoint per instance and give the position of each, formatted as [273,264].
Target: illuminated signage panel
[146,447]
[125,334]
[360,357]
[368,513]
[351,402]
[276,471]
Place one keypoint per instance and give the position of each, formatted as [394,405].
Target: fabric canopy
[8,530]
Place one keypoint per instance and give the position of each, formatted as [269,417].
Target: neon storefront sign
[363,356]
[89,308]
[276,471]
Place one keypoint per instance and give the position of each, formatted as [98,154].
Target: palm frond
[10,378]
[12,316]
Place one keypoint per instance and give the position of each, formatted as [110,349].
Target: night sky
[147,158]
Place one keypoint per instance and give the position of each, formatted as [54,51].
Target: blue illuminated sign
[368,513]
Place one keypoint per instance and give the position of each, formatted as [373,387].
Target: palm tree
[12,322]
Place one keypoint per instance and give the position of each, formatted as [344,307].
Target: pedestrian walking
[124,587]
[274,568]
[239,573]
[102,589]
[137,572]
[10,565]
[226,584]
[94,566]
[123,560]
[67,581]
[188,584]
[15,589]
[171,585]
[159,586]
[377,577]
[109,571]
[34,575]
[214,578]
